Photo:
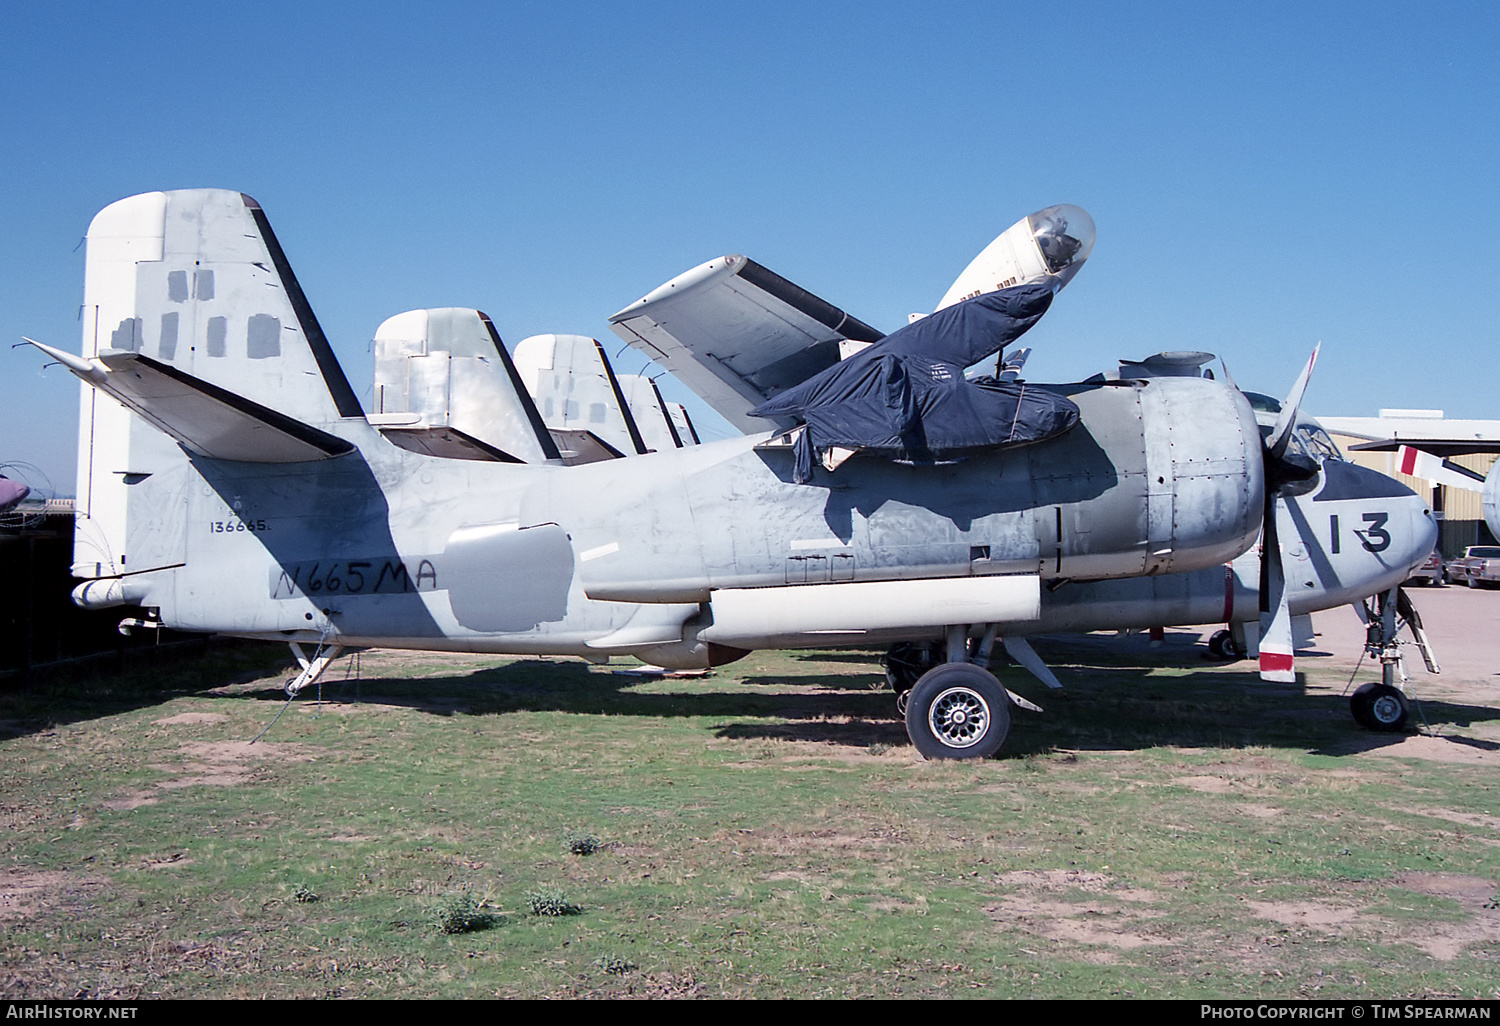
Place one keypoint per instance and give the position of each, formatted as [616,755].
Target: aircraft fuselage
[385,546]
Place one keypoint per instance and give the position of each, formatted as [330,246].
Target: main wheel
[958,711]
[1379,707]
[1221,645]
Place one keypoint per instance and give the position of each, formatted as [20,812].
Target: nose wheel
[1379,707]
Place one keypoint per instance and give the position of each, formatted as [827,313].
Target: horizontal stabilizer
[737,334]
[205,419]
[578,447]
[1417,463]
[447,443]
[1444,447]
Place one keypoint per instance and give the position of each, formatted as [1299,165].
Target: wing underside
[738,334]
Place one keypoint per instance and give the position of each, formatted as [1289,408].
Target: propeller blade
[1228,378]
[1281,434]
[1277,660]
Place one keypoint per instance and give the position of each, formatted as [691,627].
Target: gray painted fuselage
[386,546]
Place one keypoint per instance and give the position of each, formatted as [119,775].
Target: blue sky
[1262,177]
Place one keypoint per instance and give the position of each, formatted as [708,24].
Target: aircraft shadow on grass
[1210,708]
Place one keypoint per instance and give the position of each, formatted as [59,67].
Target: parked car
[1431,572]
[1478,566]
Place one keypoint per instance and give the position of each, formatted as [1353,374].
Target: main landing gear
[958,711]
[1221,645]
[954,707]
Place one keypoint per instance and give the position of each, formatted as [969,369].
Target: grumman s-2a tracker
[230,481]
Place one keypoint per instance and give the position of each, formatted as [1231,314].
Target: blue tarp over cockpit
[906,398]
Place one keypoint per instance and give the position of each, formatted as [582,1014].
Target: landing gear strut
[904,665]
[1384,706]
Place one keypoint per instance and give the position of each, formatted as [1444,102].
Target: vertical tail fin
[197,281]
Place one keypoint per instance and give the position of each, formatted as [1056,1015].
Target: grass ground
[1165,829]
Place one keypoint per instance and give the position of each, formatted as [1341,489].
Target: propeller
[1281,470]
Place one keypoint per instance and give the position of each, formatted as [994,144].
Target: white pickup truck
[1478,566]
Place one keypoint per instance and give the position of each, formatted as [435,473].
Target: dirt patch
[1093,923]
[211,764]
[1057,880]
[1466,889]
[1443,941]
[1440,749]
[192,718]
[1102,934]
[1075,879]
[133,800]
[1308,915]
[1208,785]
[782,842]
[21,891]
[1465,818]
[1474,894]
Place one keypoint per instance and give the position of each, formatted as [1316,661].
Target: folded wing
[738,334]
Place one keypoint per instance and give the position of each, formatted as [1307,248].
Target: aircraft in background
[231,482]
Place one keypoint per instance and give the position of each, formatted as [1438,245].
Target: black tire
[1221,645]
[1380,707]
[1359,706]
[958,711]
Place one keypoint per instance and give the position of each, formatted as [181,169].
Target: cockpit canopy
[1064,233]
[1309,438]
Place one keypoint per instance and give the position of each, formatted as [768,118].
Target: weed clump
[614,965]
[551,903]
[462,913]
[583,844]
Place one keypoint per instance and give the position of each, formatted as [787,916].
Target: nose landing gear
[1384,706]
